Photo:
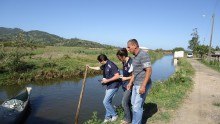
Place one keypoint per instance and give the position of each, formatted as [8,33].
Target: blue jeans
[110,111]
[126,104]
[137,101]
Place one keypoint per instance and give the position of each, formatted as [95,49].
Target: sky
[155,24]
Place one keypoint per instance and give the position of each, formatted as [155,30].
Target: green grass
[216,104]
[213,64]
[169,94]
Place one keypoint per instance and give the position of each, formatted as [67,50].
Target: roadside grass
[216,104]
[52,62]
[165,97]
[169,94]
[213,64]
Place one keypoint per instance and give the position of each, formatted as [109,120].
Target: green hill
[8,35]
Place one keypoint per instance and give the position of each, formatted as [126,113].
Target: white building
[178,54]
[144,48]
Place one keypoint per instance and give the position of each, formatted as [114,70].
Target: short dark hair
[122,52]
[134,41]
[102,57]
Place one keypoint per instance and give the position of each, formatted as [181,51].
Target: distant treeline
[9,35]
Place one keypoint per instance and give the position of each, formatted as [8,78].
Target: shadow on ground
[149,110]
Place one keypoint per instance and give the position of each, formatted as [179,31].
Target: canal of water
[56,101]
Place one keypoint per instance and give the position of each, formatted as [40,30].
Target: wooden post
[80,98]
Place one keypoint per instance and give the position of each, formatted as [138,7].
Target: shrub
[94,119]
[49,65]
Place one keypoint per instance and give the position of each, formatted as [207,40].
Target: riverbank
[164,97]
[56,63]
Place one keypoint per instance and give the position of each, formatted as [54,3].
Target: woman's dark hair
[122,52]
[102,57]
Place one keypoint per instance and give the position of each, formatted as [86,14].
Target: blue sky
[154,23]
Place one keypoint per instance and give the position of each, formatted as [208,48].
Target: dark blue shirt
[126,73]
[109,70]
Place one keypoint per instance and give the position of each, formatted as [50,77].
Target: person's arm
[146,65]
[94,68]
[126,78]
[129,77]
[145,81]
[115,77]
[115,71]
[130,84]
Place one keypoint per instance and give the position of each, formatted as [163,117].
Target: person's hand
[129,86]
[87,66]
[123,78]
[142,89]
[104,80]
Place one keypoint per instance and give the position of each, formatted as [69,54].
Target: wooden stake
[81,97]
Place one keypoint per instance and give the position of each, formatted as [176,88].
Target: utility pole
[210,44]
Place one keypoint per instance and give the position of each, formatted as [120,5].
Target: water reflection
[56,101]
[9,91]
[163,68]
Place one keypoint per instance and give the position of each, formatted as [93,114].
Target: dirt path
[198,108]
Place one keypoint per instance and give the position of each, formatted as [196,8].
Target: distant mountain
[8,35]
[45,38]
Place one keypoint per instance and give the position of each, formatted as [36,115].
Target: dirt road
[200,107]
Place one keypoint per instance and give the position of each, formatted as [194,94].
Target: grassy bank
[51,63]
[168,95]
[213,64]
[164,97]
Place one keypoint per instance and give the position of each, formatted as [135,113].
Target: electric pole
[210,44]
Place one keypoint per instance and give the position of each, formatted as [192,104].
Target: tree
[14,61]
[194,42]
[217,48]
[202,50]
[159,50]
[178,49]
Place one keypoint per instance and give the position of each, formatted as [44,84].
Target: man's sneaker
[114,118]
[107,120]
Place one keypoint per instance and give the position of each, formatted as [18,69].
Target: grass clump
[216,104]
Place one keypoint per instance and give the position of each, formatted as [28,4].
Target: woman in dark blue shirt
[110,80]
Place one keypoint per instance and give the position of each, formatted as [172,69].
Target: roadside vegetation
[164,97]
[216,104]
[214,64]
